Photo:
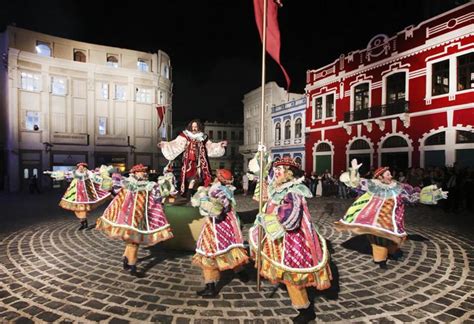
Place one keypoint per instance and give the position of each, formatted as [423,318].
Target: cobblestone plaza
[52,272]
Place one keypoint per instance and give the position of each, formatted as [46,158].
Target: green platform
[186,224]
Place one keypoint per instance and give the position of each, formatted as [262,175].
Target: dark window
[287,130]
[232,151]
[298,160]
[360,145]
[330,105]
[319,108]
[241,135]
[298,128]
[277,132]
[225,135]
[466,71]
[396,87]
[323,147]
[219,134]
[361,96]
[440,78]
[395,141]
[80,56]
[463,137]
[436,139]
[211,134]
[232,135]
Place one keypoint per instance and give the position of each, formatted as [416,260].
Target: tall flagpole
[262,131]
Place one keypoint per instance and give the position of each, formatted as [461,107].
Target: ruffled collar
[200,136]
[382,185]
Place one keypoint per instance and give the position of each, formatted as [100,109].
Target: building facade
[234,135]
[288,124]
[274,95]
[70,101]
[404,101]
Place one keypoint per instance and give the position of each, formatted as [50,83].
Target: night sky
[214,45]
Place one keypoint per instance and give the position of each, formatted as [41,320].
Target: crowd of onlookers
[459,181]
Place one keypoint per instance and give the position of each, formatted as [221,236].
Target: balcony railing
[395,108]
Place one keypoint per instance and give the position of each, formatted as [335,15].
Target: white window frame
[301,131]
[123,92]
[59,83]
[353,95]
[144,95]
[30,81]
[112,64]
[35,115]
[143,65]
[47,44]
[104,90]
[456,62]
[384,84]
[323,108]
[102,130]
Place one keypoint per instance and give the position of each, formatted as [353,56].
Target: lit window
[32,120]
[30,81]
[361,96]
[329,106]
[26,174]
[466,71]
[120,91]
[144,95]
[58,86]
[112,61]
[102,125]
[440,78]
[319,108]
[104,91]
[35,172]
[80,56]
[166,71]
[396,87]
[43,49]
[143,65]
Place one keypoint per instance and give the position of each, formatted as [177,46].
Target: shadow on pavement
[358,243]
[248,217]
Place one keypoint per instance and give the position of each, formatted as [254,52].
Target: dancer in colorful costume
[293,252]
[380,211]
[220,245]
[136,216]
[87,190]
[196,148]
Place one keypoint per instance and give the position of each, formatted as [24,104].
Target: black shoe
[126,266]
[208,292]
[382,264]
[134,272]
[305,315]
[243,276]
[397,256]
[83,225]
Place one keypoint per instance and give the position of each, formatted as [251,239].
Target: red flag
[273,31]
[161,110]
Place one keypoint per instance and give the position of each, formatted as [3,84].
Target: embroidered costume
[87,190]
[220,245]
[136,215]
[293,252]
[380,210]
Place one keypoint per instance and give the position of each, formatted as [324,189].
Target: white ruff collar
[288,184]
[384,185]
[200,136]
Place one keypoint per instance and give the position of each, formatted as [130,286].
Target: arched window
[79,56]
[360,144]
[323,147]
[396,87]
[436,139]
[277,132]
[287,129]
[43,49]
[298,160]
[112,60]
[394,141]
[298,128]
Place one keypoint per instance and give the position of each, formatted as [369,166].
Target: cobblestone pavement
[51,272]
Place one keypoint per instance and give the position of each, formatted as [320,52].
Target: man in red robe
[196,148]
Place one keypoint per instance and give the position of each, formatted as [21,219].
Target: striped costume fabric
[136,215]
[300,258]
[380,210]
[84,192]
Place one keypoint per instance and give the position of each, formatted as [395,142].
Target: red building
[404,101]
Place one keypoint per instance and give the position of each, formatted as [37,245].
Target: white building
[288,122]
[274,95]
[69,101]
[234,135]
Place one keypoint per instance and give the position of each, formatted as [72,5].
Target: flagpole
[262,131]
